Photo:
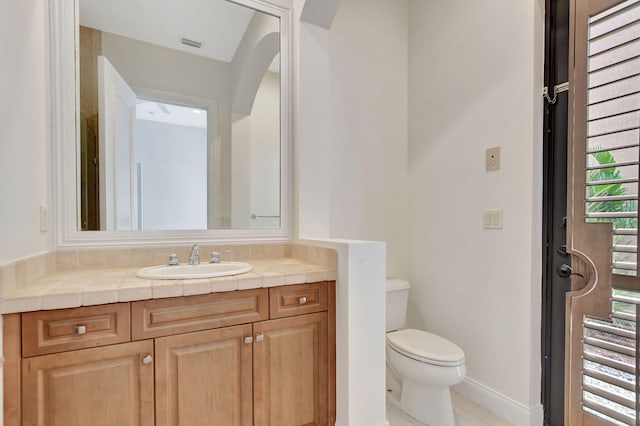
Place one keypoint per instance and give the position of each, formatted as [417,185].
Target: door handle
[565,271]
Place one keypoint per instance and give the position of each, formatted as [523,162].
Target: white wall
[369,60]
[173,160]
[255,160]
[352,124]
[265,154]
[475,78]
[25,170]
[157,72]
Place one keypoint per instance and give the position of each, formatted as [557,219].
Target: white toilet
[420,366]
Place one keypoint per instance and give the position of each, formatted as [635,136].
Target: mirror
[181,118]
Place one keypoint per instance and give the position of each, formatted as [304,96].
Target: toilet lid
[426,347]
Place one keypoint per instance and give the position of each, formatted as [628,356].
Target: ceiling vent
[191,43]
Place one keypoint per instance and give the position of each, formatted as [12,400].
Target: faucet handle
[215,257]
[173,259]
[194,255]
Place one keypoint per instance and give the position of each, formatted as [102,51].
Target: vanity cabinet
[107,386]
[263,357]
[290,364]
[205,378]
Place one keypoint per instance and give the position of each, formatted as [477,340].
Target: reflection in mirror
[179,116]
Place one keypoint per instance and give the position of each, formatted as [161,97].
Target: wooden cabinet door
[107,386]
[204,378]
[291,371]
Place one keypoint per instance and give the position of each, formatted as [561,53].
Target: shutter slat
[619,248]
[621,10]
[622,129]
[614,80]
[609,166]
[609,116]
[623,316]
[609,328]
[625,231]
[599,408]
[626,299]
[630,21]
[613,57]
[629,266]
[609,362]
[609,379]
[612,215]
[625,41]
[602,393]
[611,181]
[615,148]
[603,344]
[612,198]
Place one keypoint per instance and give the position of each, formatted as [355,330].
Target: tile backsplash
[24,271]
[21,273]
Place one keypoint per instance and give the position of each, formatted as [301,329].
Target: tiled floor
[466,413]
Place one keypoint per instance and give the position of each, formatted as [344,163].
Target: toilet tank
[397,296]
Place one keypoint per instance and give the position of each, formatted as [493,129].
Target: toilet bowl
[421,366]
[425,378]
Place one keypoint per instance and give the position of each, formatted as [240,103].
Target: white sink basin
[185,271]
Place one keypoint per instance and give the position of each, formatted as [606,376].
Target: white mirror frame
[64,102]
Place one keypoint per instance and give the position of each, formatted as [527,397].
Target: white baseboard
[512,411]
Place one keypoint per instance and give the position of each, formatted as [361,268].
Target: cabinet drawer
[46,332]
[164,317]
[297,299]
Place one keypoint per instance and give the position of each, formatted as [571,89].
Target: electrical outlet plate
[492,159]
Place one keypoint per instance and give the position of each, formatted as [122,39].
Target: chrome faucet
[194,255]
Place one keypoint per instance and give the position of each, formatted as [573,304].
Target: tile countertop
[87,287]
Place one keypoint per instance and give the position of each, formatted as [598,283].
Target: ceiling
[171,114]
[218,24]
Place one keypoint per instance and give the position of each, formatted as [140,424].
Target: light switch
[492,219]
[492,159]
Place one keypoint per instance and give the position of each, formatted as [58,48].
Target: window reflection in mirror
[179,116]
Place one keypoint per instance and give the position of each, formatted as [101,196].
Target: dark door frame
[554,286]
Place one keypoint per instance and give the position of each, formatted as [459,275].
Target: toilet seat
[426,347]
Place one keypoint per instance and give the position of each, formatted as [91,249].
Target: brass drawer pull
[303,300]
[80,330]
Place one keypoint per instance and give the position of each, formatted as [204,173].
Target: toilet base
[430,405]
